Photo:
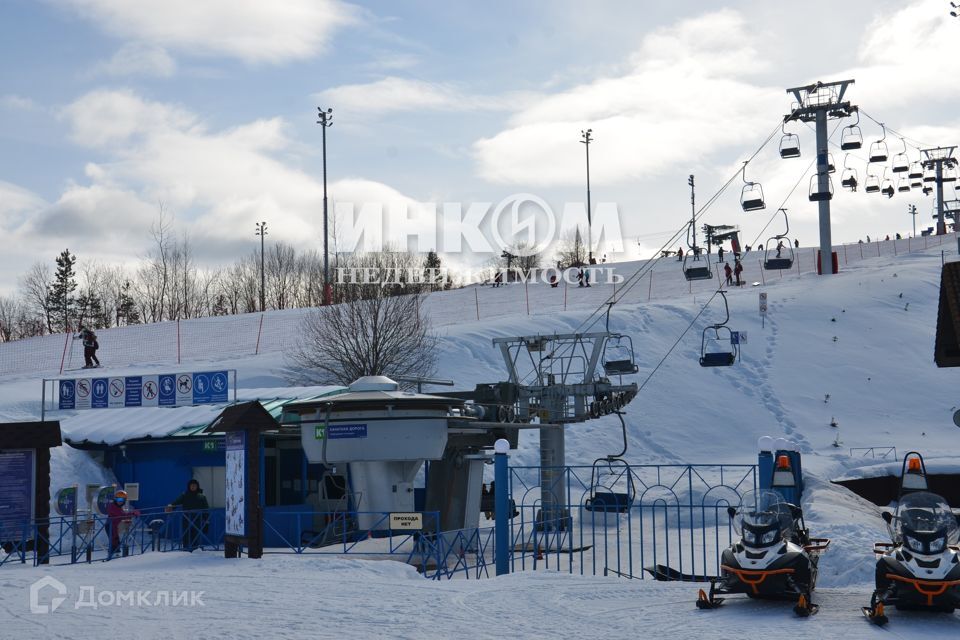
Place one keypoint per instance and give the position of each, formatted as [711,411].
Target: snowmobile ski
[875,617]
[668,574]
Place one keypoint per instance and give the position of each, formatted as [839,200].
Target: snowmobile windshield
[925,523]
[762,510]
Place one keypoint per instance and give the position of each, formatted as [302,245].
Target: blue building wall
[162,468]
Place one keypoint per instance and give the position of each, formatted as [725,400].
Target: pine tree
[126,306]
[62,303]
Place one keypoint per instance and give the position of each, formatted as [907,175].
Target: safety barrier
[620,520]
[874,452]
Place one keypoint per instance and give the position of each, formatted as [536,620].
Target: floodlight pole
[817,103]
[262,232]
[937,159]
[693,212]
[325,121]
[912,210]
[586,139]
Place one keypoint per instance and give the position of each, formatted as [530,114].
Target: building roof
[115,426]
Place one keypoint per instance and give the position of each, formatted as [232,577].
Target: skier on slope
[728,272]
[90,346]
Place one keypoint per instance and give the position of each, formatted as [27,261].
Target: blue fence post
[502,505]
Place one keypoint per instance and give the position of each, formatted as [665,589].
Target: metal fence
[611,519]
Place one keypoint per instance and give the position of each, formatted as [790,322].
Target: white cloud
[681,99]
[394,94]
[136,58]
[217,183]
[16,203]
[254,31]
[15,102]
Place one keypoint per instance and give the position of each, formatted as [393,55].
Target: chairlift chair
[949,174]
[916,171]
[714,337]
[903,185]
[751,196]
[831,166]
[851,138]
[618,355]
[773,262]
[817,194]
[612,489]
[901,163]
[878,150]
[695,269]
[849,179]
[887,188]
[916,184]
[873,182]
[789,144]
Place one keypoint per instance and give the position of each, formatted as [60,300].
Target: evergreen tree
[61,300]
[127,306]
[431,271]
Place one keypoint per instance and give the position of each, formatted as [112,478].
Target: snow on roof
[114,426]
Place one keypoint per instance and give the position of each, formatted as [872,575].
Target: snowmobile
[775,558]
[920,568]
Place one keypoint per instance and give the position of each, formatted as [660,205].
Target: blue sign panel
[16,492]
[68,394]
[168,390]
[100,396]
[209,386]
[339,431]
[133,387]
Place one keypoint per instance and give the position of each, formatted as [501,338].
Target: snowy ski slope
[864,338]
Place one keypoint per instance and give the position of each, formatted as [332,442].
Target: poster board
[235,490]
[17,490]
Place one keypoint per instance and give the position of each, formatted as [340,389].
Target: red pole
[844,255]
[650,287]
[564,293]
[526,292]
[762,278]
[878,248]
[178,340]
[259,331]
[861,250]
[476,296]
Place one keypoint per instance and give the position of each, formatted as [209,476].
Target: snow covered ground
[856,348]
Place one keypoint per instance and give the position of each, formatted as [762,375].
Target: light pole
[262,232]
[586,137]
[912,210]
[325,121]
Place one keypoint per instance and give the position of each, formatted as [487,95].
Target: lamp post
[912,210]
[262,232]
[586,137]
[325,121]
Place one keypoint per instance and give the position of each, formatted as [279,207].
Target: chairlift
[916,171]
[949,174]
[851,138]
[695,268]
[713,353]
[818,194]
[878,150]
[751,197]
[849,179]
[789,144]
[916,184]
[618,354]
[887,187]
[930,175]
[903,185]
[778,254]
[831,167]
[873,182]
[612,488]
[927,191]
[901,163]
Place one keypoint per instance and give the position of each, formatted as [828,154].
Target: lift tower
[936,160]
[818,103]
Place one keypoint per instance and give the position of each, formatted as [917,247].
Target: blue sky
[110,107]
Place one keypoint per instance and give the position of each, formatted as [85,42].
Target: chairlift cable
[917,144]
[630,282]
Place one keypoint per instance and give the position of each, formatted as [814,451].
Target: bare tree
[372,331]
[35,288]
[571,250]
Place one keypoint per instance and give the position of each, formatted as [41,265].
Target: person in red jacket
[116,516]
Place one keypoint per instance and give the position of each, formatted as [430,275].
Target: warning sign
[406,521]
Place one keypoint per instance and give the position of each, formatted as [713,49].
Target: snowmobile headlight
[749,536]
[937,545]
[769,536]
[914,544]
